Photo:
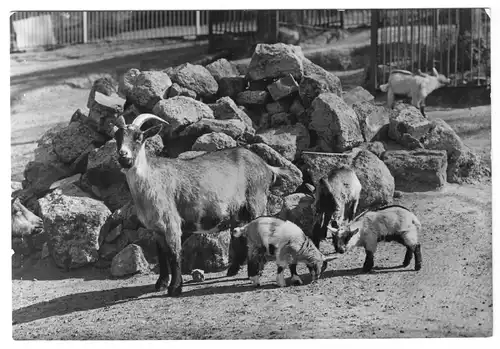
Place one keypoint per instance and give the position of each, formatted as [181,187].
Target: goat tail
[384,87]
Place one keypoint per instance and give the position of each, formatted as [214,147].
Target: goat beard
[126,163]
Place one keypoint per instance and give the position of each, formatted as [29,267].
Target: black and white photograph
[192,173]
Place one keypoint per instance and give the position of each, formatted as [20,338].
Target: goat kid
[336,199]
[284,241]
[417,86]
[389,223]
[209,193]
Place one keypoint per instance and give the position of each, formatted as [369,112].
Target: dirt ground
[451,296]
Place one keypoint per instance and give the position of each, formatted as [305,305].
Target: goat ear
[152,131]
[435,72]
[355,231]
[120,122]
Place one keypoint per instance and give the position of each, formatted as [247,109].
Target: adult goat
[205,194]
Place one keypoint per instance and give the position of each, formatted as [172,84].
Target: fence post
[85,28]
[267,26]
[198,25]
[372,84]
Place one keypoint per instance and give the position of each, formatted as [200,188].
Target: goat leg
[162,251]
[296,280]
[174,259]
[238,251]
[368,265]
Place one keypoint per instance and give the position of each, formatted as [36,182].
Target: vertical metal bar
[373,50]
[405,47]
[479,29]
[450,35]
[456,45]
[418,40]
[412,42]
[198,23]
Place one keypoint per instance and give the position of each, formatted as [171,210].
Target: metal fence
[51,29]
[454,41]
[325,19]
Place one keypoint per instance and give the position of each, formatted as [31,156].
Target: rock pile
[282,106]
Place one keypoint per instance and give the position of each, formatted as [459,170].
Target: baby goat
[337,198]
[286,242]
[418,86]
[390,223]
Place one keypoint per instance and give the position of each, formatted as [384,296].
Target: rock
[398,194]
[311,86]
[376,148]
[376,180]
[335,123]
[102,85]
[214,141]
[21,246]
[287,184]
[317,164]
[222,68]
[114,234]
[129,115]
[38,176]
[122,218]
[264,121]
[198,275]
[373,120]
[182,111]
[275,60]
[127,82]
[306,188]
[283,87]
[278,107]
[407,126]
[149,88]
[146,239]
[45,251]
[72,221]
[108,251]
[232,127]
[15,186]
[417,170]
[357,95]
[288,36]
[65,181]
[225,108]
[297,208]
[44,152]
[177,90]
[274,204]
[289,141]
[259,85]
[252,97]
[190,154]
[129,261]
[232,86]
[280,119]
[209,252]
[297,108]
[196,78]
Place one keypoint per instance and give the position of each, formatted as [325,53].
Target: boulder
[127,82]
[232,127]
[182,111]
[114,233]
[376,148]
[283,87]
[407,126]
[209,252]
[225,108]
[178,90]
[316,81]
[335,123]
[373,120]
[286,184]
[198,275]
[213,141]
[149,88]
[289,141]
[281,119]
[190,154]
[417,170]
[103,85]
[108,250]
[222,68]
[65,181]
[296,108]
[357,95]
[274,204]
[196,78]
[376,180]
[146,239]
[123,218]
[281,106]
[274,61]
[232,86]
[297,208]
[129,261]
[252,97]
[317,165]
[288,36]
[38,176]
[72,221]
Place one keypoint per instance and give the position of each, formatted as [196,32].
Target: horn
[435,71]
[330,258]
[120,122]
[141,119]
[333,230]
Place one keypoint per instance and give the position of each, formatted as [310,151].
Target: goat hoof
[174,291]
[418,267]
[232,271]
[161,285]
[367,269]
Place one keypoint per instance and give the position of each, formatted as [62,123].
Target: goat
[286,242]
[417,86]
[389,223]
[205,194]
[336,199]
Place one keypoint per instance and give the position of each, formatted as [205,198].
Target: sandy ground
[450,297]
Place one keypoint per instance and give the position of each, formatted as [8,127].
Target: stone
[297,208]
[195,78]
[214,141]
[376,148]
[281,106]
[373,120]
[191,154]
[283,87]
[209,252]
[129,261]
[317,81]
[274,61]
[108,250]
[274,204]
[225,108]
[44,152]
[38,176]
[146,239]
[280,119]
[182,111]
[102,85]
[45,251]
[15,186]
[288,36]
[149,88]
[21,246]
[287,183]
[232,127]
[318,164]
[65,181]
[222,68]
[72,221]
[407,126]
[289,141]
[306,188]
[252,97]
[357,95]
[114,234]
[417,170]
[376,180]
[335,123]
[198,275]
[177,90]
[232,86]
[296,108]
[127,82]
